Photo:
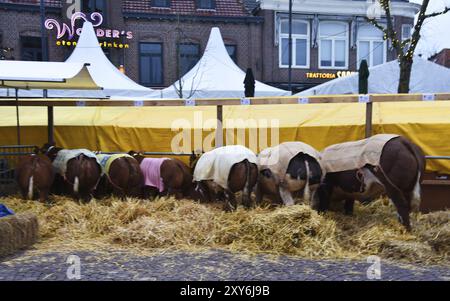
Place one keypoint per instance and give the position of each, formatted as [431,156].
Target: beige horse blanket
[277,158]
[65,155]
[355,155]
[216,164]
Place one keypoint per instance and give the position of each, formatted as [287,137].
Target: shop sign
[328,75]
[65,34]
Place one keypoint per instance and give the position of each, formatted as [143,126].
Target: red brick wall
[245,36]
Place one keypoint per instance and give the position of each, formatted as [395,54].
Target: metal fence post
[369,113]
[219,128]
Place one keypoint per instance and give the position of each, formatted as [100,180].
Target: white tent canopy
[426,77]
[45,75]
[103,72]
[216,76]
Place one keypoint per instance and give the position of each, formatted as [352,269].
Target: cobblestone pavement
[211,266]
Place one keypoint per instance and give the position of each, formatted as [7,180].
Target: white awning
[46,75]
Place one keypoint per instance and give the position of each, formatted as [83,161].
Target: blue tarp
[5,211]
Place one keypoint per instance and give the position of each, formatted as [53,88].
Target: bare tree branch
[446,10]
[416,35]
[376,24]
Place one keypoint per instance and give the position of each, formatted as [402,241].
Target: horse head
[50,150]
[193,159]
[139,156]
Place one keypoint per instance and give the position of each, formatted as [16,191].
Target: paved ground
[211,266]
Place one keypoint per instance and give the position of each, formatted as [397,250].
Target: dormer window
[161,3]
[206,4]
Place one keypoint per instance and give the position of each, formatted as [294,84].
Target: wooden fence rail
[368,100]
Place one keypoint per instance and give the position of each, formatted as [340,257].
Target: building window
[189,56]
[300,43]
[92,6]
[161,3]
[333,45]
[371,46]
[232,51]
[151,64]
[206,4]
[406,31]
[31,49]
[406,34]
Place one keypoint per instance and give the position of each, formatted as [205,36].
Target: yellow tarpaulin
[154,128]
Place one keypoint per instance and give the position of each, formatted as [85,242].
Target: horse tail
[307,190]
[247,190]
[31,179]
[30,187]
[416,197]
[76,185]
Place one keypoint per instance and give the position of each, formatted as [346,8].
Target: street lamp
[43,33]
[44,47]
[290,47]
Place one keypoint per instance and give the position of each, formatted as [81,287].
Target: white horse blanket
[216,164]
[277,158]
[65,155]
[355,155]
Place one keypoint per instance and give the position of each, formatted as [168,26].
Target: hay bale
[17,232]
[434,228]
[400,250]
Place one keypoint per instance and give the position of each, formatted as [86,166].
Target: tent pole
[219,128]
[369,111]
[17,116]
[50,121]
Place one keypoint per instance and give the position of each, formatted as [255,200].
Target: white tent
[426,77]
[104,73]
[48,75]
[216,76]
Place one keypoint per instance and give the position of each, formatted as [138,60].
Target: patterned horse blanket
[151,168]
[65,155]
[107,160]
[216,164]
[355,155]
[277,158]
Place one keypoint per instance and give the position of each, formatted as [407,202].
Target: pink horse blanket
[151,168]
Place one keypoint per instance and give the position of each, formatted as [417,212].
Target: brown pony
[242,177]
[398,176]
[81,177]
[34,173]
[124,178]
[175,175]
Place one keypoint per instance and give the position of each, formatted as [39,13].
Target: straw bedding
[17,232]
[166,224]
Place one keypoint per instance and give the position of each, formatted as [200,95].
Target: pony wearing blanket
[224,171]
[77,171]
[164,176]
[122,176]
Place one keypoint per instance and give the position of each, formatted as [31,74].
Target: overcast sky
[436,31]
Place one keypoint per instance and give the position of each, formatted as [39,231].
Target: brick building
[442,58]
[156,40]
[330,38]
